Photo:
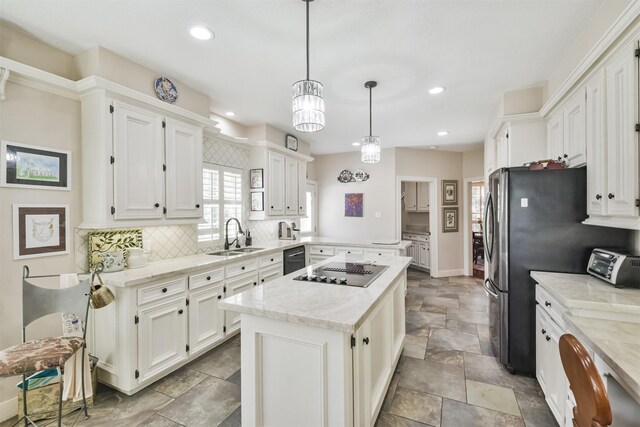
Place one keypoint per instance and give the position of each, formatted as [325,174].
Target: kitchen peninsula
[320,353]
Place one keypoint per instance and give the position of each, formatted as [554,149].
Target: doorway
[473,228]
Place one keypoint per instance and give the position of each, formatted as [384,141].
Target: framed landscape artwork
[449,220]
[257,201]
[30,166]
[256,178]
[449,191]
[40,230]
[353,205]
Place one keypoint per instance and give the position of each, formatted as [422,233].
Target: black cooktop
[345,274]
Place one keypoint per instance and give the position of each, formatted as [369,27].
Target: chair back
[592,401]
[38,301]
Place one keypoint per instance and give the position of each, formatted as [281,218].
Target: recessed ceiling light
[433,147]
[436,90]
[355,144]
[230,113]
[443,133]
[201,33]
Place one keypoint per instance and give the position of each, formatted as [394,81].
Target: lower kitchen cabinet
[206,320]
[233,287]
[162,337]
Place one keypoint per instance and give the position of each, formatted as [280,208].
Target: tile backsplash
[170,241]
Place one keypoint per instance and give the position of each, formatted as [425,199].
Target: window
[222,199]
[308,224]
[477,205]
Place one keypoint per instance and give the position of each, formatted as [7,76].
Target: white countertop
[616,342]
[583,291]
[162,269]
[340,308]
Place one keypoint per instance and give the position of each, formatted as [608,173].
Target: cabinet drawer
[242,267]
[267,275]
[321,250]
[269,260]
[550,306]
[346,250]
[409,237]
[207,278]
[161,290]
[380,252]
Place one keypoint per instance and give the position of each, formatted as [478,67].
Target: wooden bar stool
[592,401]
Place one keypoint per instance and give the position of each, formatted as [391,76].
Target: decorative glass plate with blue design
[166,90]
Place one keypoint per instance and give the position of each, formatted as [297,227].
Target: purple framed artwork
[353,205]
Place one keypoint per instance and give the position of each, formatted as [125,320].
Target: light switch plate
[524,202]
[378,214]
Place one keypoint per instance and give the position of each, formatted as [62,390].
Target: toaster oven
[620,268]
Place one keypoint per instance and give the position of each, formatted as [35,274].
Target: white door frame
[466,215]
[314,214]
[434,209]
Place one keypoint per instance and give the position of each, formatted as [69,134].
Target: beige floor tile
[492,397]
[417,406]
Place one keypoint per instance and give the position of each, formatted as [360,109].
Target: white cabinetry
[291,186]
[138,154]
[423,196]
[183,170]
[424,255]
[596,140]
[206,320]
[419,250]
[555,135]
[622,137]
[234,287]
[575,148]
[276,184]
[410,196]
[302,188]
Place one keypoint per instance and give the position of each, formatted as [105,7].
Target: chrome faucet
[226,234]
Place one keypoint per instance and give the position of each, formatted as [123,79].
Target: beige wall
[473,163]
[378,196]
[30,116]
[265,132]
[584,42]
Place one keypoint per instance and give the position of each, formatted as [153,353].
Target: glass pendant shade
[308,106]
[370,149]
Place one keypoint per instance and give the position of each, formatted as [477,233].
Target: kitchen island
[319,353]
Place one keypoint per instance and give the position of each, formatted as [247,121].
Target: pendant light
[308,102]
[370,144]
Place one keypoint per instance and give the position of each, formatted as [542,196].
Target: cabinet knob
[164,290]
[271,259]
[242,268]
[565,156]
[255,283]
[262,280]
[300,207]
[366,340]
[548,338]
[198,205]
[559,158]
[157,205]
[180,311]
[598,197]
[208,277]
[219,296]
[348,252]
[320,250]
[611,196]
[547,304]
[288,207]
[544,331]
[271,207]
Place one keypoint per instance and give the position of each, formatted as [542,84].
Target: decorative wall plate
[166,90]
[360,175]
[113,240]
[345,176]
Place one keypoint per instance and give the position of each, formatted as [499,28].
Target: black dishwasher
[294,259]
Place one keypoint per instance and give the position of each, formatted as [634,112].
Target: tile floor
[445,378]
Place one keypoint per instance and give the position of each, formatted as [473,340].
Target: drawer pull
[242,268]
[255,283]
[157,205]
[611,196]
[208,277]
[548,338]
[262,280]
[366,340]
[271,259]
[180,311]
[598,197]
[219,296]
[348,252]
[547,304]
[544,332]
[197,206]
[321,250]
[164,290]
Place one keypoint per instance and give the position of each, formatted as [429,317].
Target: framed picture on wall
[257,201]
[450,220]
[291,142]
[449,191]
[256,178]
[40,230]
[30,166]
[353,205]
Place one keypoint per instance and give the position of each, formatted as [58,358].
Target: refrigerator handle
[489,291]
[488,247]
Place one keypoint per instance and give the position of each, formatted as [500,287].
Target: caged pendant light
[308,101]
[370,144]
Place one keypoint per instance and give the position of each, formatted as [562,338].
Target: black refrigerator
[533,221]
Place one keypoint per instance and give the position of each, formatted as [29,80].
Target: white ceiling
[477,49]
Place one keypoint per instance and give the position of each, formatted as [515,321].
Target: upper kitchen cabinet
[575,147]
[423,196]
[416,196]
[516,140]
[596,139]
[284,181]
[141,161]
[555,136]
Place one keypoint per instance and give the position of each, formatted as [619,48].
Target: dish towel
[71,326]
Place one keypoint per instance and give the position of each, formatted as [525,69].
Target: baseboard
[449,273]
[8,409]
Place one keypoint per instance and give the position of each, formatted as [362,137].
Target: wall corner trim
[8,409]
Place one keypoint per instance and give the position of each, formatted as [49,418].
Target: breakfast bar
[317,351]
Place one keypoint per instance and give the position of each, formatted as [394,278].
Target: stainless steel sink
[225,253]
[247,250]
